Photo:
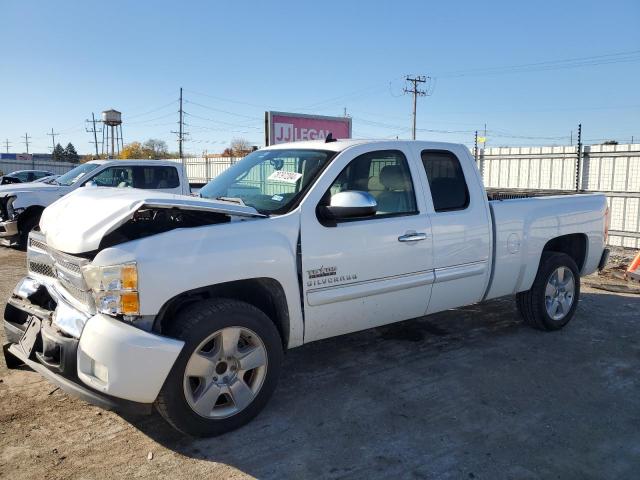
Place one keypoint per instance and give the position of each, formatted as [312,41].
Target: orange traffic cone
[633,272]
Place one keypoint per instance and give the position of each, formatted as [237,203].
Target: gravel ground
[469,393]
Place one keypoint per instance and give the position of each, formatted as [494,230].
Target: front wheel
[553,298]
[227,370]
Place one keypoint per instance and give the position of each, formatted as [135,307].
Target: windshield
[268,180]
[72,176]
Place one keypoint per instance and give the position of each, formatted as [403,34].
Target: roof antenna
[330,138]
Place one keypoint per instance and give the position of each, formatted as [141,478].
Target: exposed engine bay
[147,222]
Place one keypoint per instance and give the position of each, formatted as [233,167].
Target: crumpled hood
[16,188]
[77,222]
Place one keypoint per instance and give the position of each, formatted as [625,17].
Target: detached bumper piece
[8,232]
[53,354]
[604,259]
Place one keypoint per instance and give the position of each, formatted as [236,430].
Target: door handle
[412,237]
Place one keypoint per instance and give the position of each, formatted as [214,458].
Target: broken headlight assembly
[12,213]
[115,288]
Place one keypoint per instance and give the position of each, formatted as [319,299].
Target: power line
[618,57]
[172,102]
[415,92]
[250,117]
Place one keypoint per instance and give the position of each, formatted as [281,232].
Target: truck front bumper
[113,364]
[8,232]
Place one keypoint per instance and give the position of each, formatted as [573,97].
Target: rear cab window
[448,186]
[155,178]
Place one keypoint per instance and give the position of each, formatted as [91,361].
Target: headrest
[374,184]
[391,177]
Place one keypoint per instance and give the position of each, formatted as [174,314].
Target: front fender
[185,259]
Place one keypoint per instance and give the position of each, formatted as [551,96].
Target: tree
[70,154]
[156,148]
[152,148]
[133,150]
[240,147]
[58,153]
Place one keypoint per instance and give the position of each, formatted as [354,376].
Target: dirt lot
[470,393]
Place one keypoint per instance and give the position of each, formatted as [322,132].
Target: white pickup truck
[21,204]
[138,299]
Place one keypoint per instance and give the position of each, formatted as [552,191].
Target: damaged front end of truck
[79,324]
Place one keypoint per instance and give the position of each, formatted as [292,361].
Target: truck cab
[21,205]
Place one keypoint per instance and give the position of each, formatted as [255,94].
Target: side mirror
[90,184]
[351,204]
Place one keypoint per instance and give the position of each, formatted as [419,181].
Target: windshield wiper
[237,200]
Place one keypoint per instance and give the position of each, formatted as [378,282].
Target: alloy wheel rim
[559,293]
[225,372]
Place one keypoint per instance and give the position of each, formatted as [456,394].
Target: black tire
[26,226]
[531,304]
[193,325]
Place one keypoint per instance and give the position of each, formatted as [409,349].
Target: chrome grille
[37,244]
[41,269]
[67,262]
[82,296]
[44,260]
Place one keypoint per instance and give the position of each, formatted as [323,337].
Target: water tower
[112,119]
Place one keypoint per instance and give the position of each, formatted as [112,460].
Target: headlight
[11,212]
[115,288]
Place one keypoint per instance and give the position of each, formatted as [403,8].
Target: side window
[385,175]
[446,180]
[160,177]
[114,177]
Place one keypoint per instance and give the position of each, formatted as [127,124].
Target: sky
[530,71]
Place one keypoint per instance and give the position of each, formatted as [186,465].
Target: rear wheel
[553,298]
[226,371]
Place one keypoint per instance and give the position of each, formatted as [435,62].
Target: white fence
[611,169]
[58,168]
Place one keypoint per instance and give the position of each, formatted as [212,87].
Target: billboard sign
[281,127]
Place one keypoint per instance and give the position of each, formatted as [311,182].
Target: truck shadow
[409,397]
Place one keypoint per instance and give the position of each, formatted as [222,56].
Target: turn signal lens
[129,277]
[129,303]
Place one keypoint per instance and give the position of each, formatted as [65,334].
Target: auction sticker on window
[286,177]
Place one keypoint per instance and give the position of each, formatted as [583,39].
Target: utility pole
[53,139]
[475,146]
[94,131]
[181,133]
[579,157]
[571,138]
[415,92]
[7,142]
[181,123]
[26,141]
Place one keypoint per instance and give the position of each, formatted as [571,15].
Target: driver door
[362,273]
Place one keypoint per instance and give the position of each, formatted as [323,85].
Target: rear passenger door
[361,273]
[461,228]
